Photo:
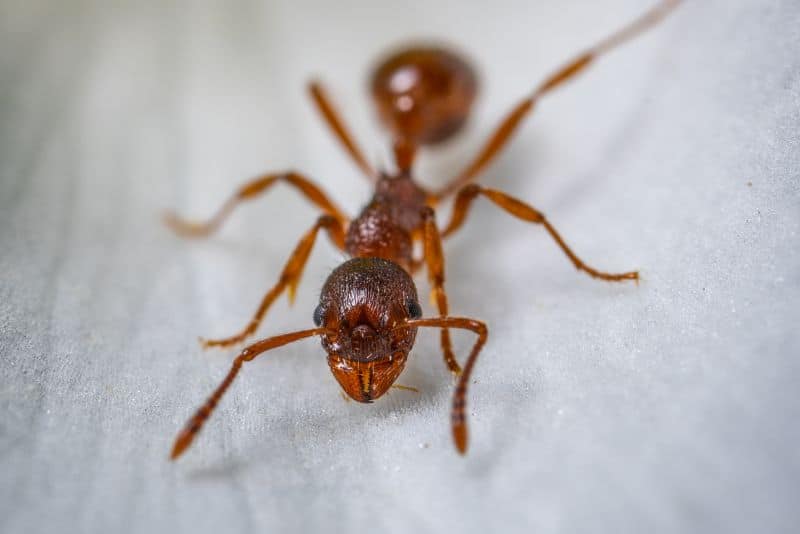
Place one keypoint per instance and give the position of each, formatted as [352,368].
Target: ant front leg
[196,422]
[434,259]
[523,211]
[458,413]
[249,191]
[290,277]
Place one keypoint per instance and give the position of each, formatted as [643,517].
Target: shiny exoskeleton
[369,311]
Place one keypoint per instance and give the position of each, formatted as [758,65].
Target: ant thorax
[385,226]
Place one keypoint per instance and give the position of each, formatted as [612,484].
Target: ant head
[362,303]
[424,94]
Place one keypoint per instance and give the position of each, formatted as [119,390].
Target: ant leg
[458,418]
[509,125]
[249,191]
[405,388]
[194,424]
[290,277]
[334,121]
[525,212]
[434,258]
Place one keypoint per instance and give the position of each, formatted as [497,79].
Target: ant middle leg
[527,213]
[249,191]
[289,279]
[434,259]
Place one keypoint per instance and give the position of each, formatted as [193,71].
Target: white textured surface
[597,408]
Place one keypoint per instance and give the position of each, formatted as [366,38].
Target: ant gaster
[369,313]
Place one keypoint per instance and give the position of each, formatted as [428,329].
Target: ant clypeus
[368,313]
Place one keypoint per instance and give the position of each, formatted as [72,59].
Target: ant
[369,312]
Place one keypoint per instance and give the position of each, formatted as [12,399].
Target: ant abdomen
[424,94]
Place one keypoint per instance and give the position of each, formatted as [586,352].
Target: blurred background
[667,407]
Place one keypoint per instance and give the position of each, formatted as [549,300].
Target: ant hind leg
[501,135]
[337,125]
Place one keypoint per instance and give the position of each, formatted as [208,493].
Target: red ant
[368,313]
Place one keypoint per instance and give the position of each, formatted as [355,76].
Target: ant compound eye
[318,315]
[414,311]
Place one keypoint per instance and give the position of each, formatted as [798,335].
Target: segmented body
[388,224]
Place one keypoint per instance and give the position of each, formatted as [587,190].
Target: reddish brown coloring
[369,311]
[424,95]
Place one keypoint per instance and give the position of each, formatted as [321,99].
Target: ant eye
[414,311]
[318,315]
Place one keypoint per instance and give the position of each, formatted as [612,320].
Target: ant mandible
[368,313]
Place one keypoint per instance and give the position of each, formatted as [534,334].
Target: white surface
[671,407]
